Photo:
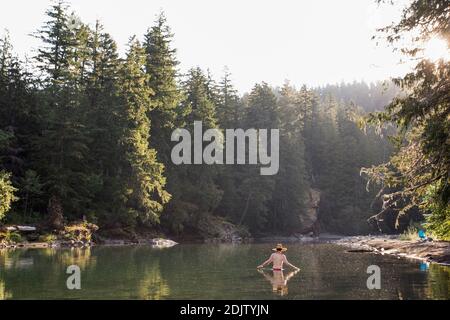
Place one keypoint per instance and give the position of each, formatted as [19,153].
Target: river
[206,271]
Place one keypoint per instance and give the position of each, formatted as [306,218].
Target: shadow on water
[214,272]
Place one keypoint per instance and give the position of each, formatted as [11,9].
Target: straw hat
[278,247]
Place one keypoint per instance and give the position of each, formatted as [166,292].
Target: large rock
[26,228]
[163,243]
[309,221]
[20,228]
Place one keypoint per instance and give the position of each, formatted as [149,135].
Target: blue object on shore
[424,266]
[422,234]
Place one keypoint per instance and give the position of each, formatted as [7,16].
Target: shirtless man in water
[277,259]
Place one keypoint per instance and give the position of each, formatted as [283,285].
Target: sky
[312,42]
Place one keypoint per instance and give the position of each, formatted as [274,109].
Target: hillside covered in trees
[85,134]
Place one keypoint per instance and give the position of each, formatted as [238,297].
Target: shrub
[9,236]
[7,196]
[410,234]
[79,231]
[439,223]
[49,238]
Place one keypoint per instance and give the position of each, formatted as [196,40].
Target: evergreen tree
[103,120]
[229,106]
[18,116]
[291,190]
[198,99]
[196,194]
[257,190]
[161,66]
[229,113]
[262,108]
[54,56]
[61,149]
[141,174]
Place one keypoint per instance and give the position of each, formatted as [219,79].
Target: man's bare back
[277,259]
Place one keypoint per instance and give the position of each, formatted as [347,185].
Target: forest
[85,135]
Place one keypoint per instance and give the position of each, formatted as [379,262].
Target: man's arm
[266,262]
[290,264]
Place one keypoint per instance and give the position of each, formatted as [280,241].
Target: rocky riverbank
[155,243]
[75,235]
[429,251]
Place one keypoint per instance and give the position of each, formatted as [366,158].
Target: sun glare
[436,49]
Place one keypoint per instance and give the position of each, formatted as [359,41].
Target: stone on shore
[26,228]
[163,243]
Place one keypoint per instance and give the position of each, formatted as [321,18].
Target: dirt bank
[430,251]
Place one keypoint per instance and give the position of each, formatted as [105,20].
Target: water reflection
[4,294]
[438,282]
[278,280]
[106,273]
[81,257]
[13,259]
[153,286]
[213,272]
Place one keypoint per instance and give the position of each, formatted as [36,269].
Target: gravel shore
[430,251]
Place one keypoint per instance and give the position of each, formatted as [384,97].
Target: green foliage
[79,231]
[421,163]
[196,194]
[7,196]
[143,174]
[438,222]
[229,105]
[336,149]
[49,238]
[31,188]
[90,138]
[288,203]
[61,151]
[11,237]
[161,67]
[198,100]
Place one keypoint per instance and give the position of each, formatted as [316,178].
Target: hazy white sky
[311,42]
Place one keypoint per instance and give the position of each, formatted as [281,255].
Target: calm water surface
[214,272]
